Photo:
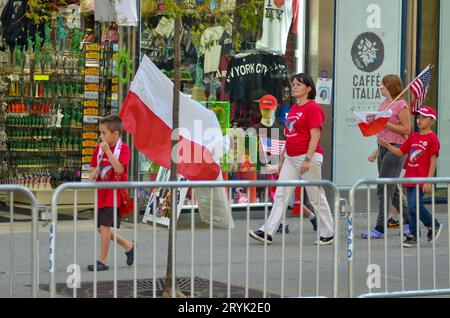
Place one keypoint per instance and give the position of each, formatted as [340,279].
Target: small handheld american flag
[274,147]
[419,87]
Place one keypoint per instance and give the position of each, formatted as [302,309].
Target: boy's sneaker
[374,235]
[130,256]
[410,241]
[280,229]
[392,223]
[437,232]
[100,267]
[314,223]
[259,236]
[325,240]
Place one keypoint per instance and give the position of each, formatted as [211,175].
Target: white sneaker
[325,240]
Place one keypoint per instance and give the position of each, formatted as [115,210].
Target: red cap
[427,112]
[268,102]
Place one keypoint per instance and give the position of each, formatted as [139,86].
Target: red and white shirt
[106,196]
[420,149]
[387,134]
[299,122]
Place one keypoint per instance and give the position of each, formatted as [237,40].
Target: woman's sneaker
[374,235]
[325,240]
[437,232]
[406,230]
[393,223]
[259,236]
[410,241]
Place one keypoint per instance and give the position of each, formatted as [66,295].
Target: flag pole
[406,89]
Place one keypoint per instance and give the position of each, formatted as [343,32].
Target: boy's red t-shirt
[106,196]
[420,149]
[299,122]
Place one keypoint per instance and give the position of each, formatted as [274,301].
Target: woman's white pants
[291,171]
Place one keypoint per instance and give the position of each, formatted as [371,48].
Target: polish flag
[373,122]
[147,115]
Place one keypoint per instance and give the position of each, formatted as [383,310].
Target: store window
[242,75]
[58,75]
[42,90]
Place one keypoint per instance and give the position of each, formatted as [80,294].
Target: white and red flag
[372,123]
[147,115]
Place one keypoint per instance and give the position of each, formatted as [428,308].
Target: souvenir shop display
[42,107]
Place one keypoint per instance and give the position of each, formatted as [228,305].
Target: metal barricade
[397,259]
[229,254]
[12,189]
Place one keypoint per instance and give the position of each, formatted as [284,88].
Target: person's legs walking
[412,210]
[105,234]
[282,196]
[318,198]
[390,167]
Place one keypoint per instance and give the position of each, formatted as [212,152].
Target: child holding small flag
[390,166]
[422,149]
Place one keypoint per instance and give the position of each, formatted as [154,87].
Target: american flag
[272,146]
[419,87]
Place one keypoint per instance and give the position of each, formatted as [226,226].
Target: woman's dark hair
[308,81]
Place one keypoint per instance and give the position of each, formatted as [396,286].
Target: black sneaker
[314,223]
[437,232]
[325,240]
[130,256]
[259,236]
[410,241]
[393,223]
[280,229]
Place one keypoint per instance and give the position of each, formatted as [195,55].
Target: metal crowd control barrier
[34,223]
[226,253]
[392,245]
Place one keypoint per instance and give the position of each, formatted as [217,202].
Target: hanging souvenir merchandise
[44,108]
[278,17]
[42,92]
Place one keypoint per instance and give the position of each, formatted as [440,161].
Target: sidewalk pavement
[150,267]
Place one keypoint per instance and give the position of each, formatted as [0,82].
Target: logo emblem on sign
[368,52]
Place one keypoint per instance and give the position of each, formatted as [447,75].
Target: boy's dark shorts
[106,217]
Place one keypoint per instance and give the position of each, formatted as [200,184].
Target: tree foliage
[40,11]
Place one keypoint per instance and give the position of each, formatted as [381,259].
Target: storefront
[406,33]
[53,92]
[231,74]
[59,73]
